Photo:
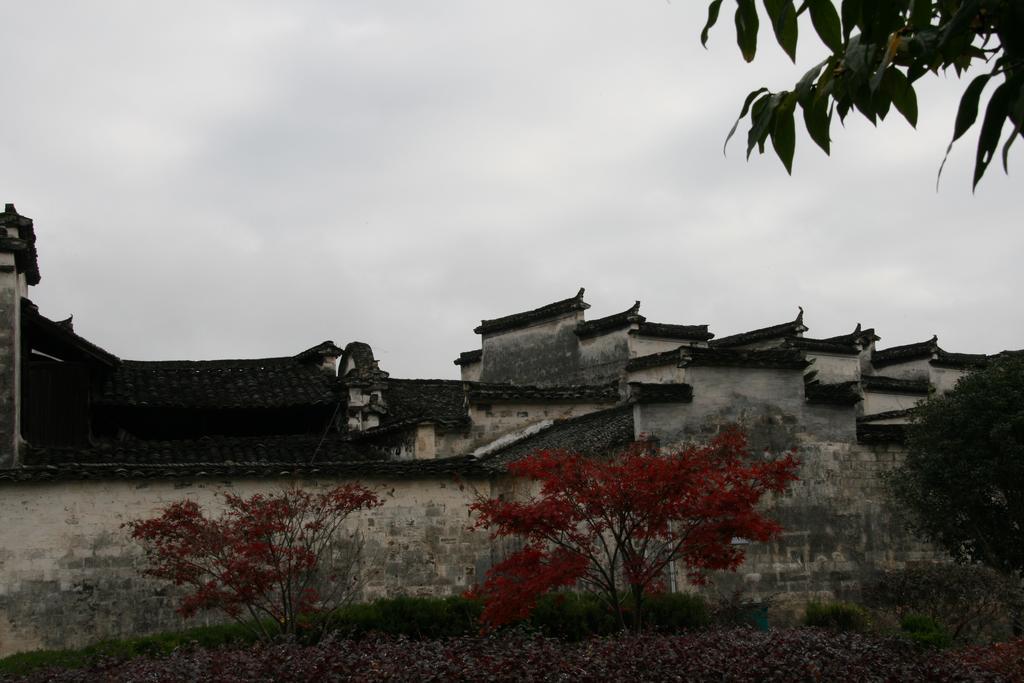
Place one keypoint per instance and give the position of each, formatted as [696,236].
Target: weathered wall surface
[491,421]
[10,336]
[543,353]
[70,575]
[839,526]
[881,402]
[602,357]
[838,529]
[834,368]
[945,379]
[643,345]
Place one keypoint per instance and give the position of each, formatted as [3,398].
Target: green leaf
[782,14]
[818,120]
[743,112]
[921,13]
[966,115]
[784,137]
[893,44]
[762,118]
[1017,118]
[851,16]
[826,22]
[903,96]
[864,102]
[747,24]
[803,87]
[713,10]
[991,128]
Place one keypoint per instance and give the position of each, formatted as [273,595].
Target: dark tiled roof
[822,346]
[893,385]
[618,321]
[217,384]
[325,349]
[790,329]
[655,360]
[469,357]
[887,415]
[242,457]
[603,432]
[688,332]
[510,322]
[511,393]
[425,400]
[907,352]
[945,359]
[24,247]
[779,359]
[858,336]
[840,393]
[291,448]
[871,434]
[643,392]
[58,338]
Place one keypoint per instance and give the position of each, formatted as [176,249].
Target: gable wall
[544,353]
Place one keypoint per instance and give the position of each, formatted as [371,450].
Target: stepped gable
[862,337]
[794,328]
[881,434]
[237,457]
[410,401]
[22,244]
[908,352]
[778,359]
[618,321]
[837,394]
[219,384]
[960,361]
[667,331]
[513,393]
[647,392]
[893,385]
[59,338]
[655,360]
[511,322]
[469,357]
[601,433]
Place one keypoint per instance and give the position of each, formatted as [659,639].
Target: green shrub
[925,631]
[159,644]
[675,612]
[838,616]
[412,617]
[572,616]
[973,603]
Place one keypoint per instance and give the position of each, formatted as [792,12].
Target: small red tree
[282,555]
[614,525]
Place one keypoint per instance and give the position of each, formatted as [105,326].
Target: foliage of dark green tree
[878,50]
[963,478]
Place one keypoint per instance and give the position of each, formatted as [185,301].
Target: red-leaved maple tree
[266,560]
[615,525]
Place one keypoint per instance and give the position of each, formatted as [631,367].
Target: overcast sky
[247,179]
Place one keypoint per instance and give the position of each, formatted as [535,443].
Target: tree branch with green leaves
[878,50]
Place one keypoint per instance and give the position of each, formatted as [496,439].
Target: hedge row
[731,655]
[568,616]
